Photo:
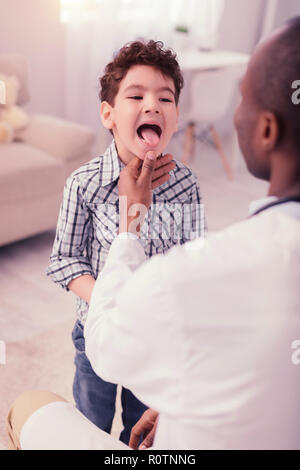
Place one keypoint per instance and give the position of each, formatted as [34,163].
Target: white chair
[210,95]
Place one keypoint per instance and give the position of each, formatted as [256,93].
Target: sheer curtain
[96,29]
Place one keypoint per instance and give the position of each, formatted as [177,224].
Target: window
[80,11]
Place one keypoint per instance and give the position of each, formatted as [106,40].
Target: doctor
[204,335]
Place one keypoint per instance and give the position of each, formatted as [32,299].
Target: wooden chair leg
[235,152]
[220,149]
[189,143]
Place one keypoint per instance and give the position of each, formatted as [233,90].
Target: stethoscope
[282,200]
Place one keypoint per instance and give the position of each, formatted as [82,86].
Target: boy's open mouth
[150,134]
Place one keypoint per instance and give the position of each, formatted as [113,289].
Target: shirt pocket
[105,219]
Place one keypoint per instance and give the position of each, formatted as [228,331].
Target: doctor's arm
[130,333]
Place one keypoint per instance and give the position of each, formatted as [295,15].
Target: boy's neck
[125,159]
[124,155]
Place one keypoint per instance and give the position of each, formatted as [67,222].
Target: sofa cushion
[28,173]
[62,139]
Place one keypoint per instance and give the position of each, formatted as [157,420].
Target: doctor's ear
[106,113]
[268,127]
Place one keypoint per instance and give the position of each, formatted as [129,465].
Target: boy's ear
[106,115]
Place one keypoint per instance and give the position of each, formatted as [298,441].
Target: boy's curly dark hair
[139,53]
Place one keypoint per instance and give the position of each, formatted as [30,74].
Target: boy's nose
[153,109]
[151,105]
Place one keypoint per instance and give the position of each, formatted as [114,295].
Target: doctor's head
[268,117]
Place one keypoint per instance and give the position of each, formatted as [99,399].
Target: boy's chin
[142,152]
[142,157]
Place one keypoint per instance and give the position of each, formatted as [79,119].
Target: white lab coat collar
[259,203]
[290,208]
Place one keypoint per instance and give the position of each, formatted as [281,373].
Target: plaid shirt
[89,219]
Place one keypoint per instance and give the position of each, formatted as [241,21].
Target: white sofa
[33,169]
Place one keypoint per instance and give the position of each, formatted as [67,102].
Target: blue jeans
[96,398]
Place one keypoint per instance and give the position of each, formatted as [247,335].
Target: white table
[193,60]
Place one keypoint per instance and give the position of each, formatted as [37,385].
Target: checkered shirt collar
[111,165]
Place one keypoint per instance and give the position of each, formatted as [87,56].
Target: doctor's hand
[163,165]
[145,428]
[139,178]
[136,183]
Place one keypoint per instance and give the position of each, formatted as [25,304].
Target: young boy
[139,93]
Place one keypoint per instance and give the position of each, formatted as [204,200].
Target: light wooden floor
[36,317]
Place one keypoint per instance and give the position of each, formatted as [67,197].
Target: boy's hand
[136,182]
[145,428]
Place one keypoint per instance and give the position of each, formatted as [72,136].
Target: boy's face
[144,116]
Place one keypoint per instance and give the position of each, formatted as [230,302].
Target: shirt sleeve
[131,335]
[68,259]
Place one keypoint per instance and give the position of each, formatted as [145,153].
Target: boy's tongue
[150,136]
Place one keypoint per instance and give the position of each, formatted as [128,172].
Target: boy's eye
[138,97]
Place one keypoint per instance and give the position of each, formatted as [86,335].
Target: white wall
[32,28]
[285,10]
[241,24]
[240,31]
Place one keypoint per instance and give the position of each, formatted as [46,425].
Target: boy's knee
[26,404]
[38,398]
[31,400]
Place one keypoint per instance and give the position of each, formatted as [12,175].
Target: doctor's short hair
[275,81]
[150,53]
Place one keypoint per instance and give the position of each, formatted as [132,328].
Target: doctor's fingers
[149,439]
[162,170]
[143,426]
